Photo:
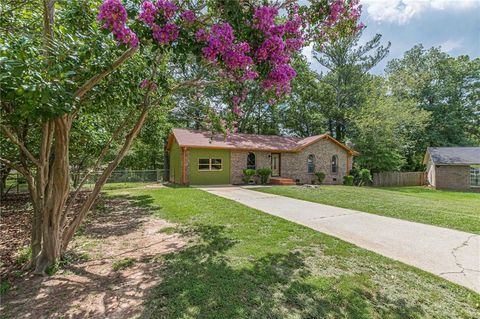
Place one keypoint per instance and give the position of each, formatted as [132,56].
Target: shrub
[247,175]
[264,174]
[348,180]
[320,177]
[364,176]
[355,173]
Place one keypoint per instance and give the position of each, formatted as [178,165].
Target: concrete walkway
[451,254]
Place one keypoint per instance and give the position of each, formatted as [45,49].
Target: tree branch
[20,145]
[103,153]
[16,167]
[87,86]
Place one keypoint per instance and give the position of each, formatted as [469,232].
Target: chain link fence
[16,183]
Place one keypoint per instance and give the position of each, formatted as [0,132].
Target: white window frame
[311,156]
[475,176]
[336,164]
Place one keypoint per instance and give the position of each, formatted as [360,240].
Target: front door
[275,164]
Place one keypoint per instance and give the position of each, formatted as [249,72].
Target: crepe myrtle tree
[240,42]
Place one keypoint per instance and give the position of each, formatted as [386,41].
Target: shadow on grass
[202,282]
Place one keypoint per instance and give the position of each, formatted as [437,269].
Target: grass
[4,287]
[454,210]
[241,263]
[123,264]
[116,186]
[24,255]
[168,230]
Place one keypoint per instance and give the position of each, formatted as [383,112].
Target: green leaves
[447,87]
[386,129]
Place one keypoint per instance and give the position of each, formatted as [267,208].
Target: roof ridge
[202,138]
[254,134]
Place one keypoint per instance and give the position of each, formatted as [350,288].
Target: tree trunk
[52,193]
[51,233]
[87,205]
[4,172]
[339,131]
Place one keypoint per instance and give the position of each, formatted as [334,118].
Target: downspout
[184,166]
[348,164]
[166,161]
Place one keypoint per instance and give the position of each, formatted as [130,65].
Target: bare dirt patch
[109,269]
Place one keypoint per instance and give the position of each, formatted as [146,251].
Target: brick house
[453,168]
[201,158]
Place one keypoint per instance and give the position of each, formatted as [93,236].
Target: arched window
[334,163]
[251,161]
[311,164]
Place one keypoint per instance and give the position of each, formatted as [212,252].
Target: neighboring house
[200,157]
[455,168]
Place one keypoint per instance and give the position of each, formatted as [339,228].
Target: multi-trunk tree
[53,71]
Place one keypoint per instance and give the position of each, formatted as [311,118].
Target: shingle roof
[454,155]
[239,141]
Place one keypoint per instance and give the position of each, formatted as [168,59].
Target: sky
[454,25]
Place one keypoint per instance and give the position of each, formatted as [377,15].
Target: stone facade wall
[294,165]
[452,177]
[238,162]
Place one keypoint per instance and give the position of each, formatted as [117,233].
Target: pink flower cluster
[264,19]
[236,100]
[280,42]
[114,17]
[188,17]
[166,34]
[164,11]
[279,79]
[342,11]
[148,12]
[221,47]
[166,8]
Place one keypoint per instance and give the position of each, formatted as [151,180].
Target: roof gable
[454,155]
[239,141]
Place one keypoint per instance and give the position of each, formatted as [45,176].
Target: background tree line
[426,98]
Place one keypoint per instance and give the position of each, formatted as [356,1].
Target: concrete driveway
[450,254]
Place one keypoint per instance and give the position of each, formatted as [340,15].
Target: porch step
[281,181]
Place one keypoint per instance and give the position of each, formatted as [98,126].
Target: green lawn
[455,210]
[241,263]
